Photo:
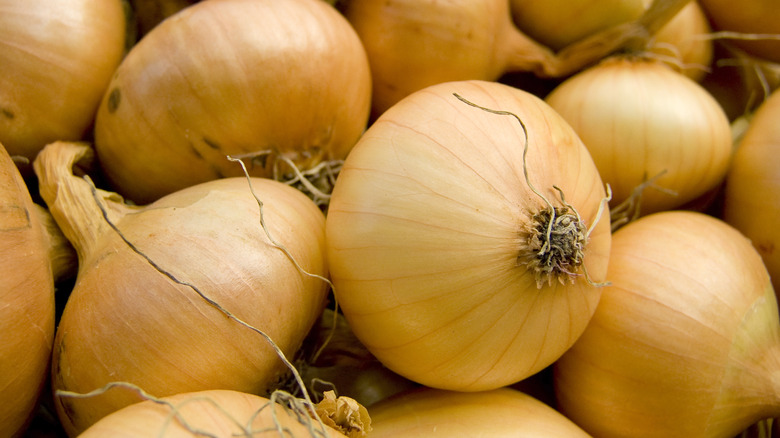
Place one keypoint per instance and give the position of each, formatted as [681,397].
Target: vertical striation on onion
[162,289]
[436,240]
[270,79]
[686,340]
[26,301]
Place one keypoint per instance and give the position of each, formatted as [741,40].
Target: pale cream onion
[434,237]
[642,121]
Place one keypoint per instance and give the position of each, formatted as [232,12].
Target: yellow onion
[267,78]
[26,301]
[686,340]
[558,23]
[754,25]
[412,44]
[216,413]
[683,42]
[642,121]
[751,200]
[57,59]
[167,295]
[501,412]
[436,239]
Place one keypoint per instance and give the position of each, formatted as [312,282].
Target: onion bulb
[438,234]
[57,59]
[642,121]
[167,295]
[686,340]
[498,413]
[683,42]
[754,25]
[558,23]
[216,413]
[412,44]
[26,301]
[751,200]
[277,80]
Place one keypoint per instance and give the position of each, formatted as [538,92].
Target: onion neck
[77,206]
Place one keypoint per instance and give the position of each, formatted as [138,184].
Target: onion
[501,412]
[26,301]
[217,413]
[640,119]
[167,295]
[57,59]
[683,42]
[280,80]
[686,340]
[149,13]
[412,44]
[751,200]
[435,237]
[558,23]
[754,26]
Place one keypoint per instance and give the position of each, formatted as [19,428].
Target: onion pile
[170,296]
[448,260]
[276,80]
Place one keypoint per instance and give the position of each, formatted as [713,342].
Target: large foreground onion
[498,413]
[216,413]
[156,285]
[285,78]
[686,340]
[57,59]
[26,301]
[640,119]
[435,237]
[752,196]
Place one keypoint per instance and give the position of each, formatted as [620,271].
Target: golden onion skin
[426,224]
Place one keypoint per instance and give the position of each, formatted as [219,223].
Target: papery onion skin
[26,302]
[127,320]
[501,412]
[57,59]
[228,78]
[641,120]
[686,340]
[426,224]
[751,200]
[220,413]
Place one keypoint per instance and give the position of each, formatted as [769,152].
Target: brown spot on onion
[114,98]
